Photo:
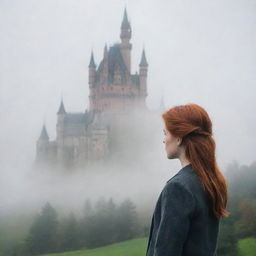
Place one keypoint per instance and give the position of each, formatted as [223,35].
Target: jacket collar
[183,169]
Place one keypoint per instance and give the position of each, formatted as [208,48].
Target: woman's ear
[179,141]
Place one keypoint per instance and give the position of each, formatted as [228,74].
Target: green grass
[247,247]
[134,247]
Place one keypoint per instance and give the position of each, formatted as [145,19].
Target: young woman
[188,211]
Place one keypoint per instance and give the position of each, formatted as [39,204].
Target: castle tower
[105,65]
[60,130]
[92,81]
[143,73]
[60,121]
[42,146]
[126,46]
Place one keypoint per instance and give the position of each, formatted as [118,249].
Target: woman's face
[171,144]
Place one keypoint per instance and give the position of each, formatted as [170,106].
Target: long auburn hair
[192,123]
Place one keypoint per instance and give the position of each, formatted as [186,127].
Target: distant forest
[103,224]
[241,222]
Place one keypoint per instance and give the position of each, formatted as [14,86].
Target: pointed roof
[92,63]
[44,134]
[115,60]
[125,22]
[61,108]
[143,61]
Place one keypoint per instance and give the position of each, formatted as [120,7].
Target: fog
[198,52]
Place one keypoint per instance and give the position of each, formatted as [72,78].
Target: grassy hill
[247,247]
[137,247]
[134,247]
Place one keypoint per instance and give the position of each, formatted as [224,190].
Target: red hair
[192,123]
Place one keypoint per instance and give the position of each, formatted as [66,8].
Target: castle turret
[143,73]
[44,135]
[42,146]
[61,110]
[92,81]
[126,46]
[105,64]
[60,122]
[92,71]
[60,127]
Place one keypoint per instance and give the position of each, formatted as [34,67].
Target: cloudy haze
[198,51]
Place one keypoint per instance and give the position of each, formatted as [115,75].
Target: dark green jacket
[182,223]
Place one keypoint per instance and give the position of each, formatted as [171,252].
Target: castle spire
[143,71]
[92,63]
[105,62]
[61,110]
[44,135]
[125,22]
[125,45]
[143,61]
[125,28]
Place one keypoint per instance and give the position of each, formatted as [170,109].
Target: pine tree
[126,220]
[69,233]
[42,234]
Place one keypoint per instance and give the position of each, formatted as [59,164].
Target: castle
[83,138]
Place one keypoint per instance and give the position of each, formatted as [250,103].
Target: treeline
[241,222]
[103,224]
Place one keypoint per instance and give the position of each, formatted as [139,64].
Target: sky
[198,52]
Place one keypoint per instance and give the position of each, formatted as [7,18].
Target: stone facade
[83,138]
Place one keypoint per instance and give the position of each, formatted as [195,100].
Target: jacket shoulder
[177,195]
[186,176]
